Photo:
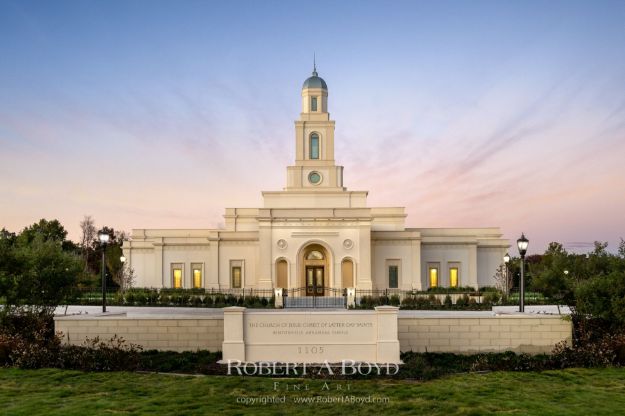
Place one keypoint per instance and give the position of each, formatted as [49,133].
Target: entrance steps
[314,302]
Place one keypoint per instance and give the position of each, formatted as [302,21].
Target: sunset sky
[159,114]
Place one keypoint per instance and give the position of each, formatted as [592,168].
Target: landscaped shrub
[596,343]
[203,362]
[422,302]
[447,302]
[509,361]
[96,355]
[440,289]
[394,300]
[219,301]
[408,302]
[462,301]
[434,301]
[603,297]
[491,298]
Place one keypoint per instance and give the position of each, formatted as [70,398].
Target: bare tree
[121,236]
[503,279]
[125,277]
[87,227]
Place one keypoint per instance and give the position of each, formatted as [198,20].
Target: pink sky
[508,117]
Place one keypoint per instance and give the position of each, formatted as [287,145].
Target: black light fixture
[104,237]
[522,244]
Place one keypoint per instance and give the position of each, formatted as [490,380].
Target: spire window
[313,103]
[314,146]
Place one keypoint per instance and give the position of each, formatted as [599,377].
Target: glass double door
[314,281]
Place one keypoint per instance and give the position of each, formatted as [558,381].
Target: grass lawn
[58,392]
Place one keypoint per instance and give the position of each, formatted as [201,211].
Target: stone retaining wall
[519,333]
[165,333]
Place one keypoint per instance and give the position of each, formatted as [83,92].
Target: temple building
[315,234]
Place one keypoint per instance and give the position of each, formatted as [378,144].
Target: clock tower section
[315,168]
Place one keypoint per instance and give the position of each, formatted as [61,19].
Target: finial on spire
[314,65]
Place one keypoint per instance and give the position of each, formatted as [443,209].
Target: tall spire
[314,65]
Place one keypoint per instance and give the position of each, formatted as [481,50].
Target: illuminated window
[177,277]
[196,270]
[313,103]
[453,277]
[314,146]
[433,273]
[393,277]
[236,277]
[315,255]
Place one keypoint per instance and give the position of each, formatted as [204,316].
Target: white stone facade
[315,234]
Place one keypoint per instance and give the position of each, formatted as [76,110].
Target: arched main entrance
[315,269]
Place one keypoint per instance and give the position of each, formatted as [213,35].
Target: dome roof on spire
[315,82]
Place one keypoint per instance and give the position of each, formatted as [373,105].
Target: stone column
[265,255]
[387,341]
[164,278]
[234,341]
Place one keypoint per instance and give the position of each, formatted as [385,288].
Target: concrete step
[314,302]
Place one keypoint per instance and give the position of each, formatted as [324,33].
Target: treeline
[594,283]
[40,267]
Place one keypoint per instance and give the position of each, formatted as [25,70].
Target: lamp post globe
[522,244]
[104,238]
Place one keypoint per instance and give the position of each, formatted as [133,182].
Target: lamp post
[104,239]
[123,272]
[506,260]
[522,244]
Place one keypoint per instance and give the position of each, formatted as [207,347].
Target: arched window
[314,255]
[347,273]
[282,274]
[314,146]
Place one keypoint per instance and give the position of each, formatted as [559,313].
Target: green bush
[603,297]
[447,302]
[491,298]
[96,355]
[422,303]
[462,301]
[408,302]
[434,301]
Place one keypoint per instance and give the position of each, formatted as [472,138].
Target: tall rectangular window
[196,272]
[236,277]
[393,277]
[453,277]
[314,146]
[176,277]
[313,103]
[433,273]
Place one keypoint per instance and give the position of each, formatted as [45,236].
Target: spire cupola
[315,94]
